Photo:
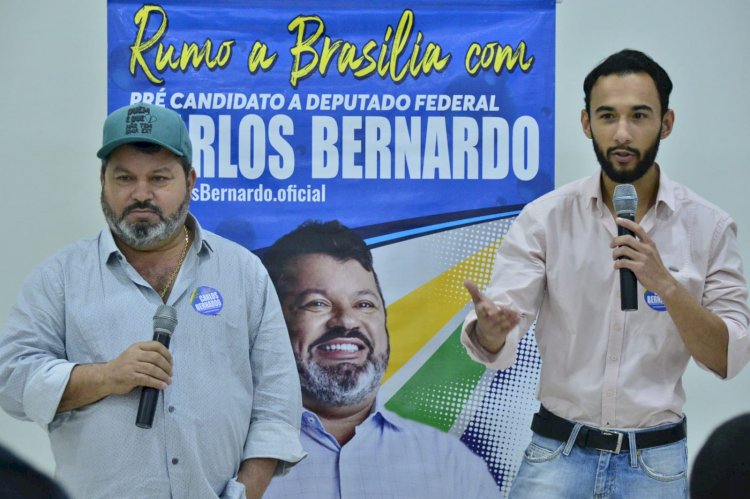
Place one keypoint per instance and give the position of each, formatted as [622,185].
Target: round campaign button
[654,301]
[207,300]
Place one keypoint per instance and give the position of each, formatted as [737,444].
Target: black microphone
[626,202]
[165,320]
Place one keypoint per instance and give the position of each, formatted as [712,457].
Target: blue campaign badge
[654,301]
[207,300]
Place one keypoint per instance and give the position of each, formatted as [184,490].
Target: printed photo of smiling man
[334,309]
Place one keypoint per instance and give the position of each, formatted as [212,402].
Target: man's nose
[622,133]
[142,191]
[344,317]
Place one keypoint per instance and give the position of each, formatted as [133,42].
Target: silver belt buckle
[619,441]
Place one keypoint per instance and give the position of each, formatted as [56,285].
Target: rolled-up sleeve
[277,400]
[500,360]
[725,294]
[517,281]
[33,367]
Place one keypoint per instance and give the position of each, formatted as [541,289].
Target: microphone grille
[165,318]
[625,199]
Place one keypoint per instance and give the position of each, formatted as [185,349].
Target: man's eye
[365,304]
[315,304]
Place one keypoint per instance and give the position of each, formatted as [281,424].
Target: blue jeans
[555,470]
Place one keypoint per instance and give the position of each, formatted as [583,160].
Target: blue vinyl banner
[424,126]
[368,114]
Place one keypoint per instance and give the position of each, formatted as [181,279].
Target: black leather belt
[549,425]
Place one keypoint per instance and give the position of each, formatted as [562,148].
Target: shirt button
[175,460]
[613,358]
[610,393]
[171,408]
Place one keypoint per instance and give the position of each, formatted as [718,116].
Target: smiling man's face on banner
[336,320]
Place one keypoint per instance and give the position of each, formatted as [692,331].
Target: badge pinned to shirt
[206,300]
[654,301]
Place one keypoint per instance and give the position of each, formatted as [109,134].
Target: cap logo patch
[139,120]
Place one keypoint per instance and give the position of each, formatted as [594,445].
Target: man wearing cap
[75,350]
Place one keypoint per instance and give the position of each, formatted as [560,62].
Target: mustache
[142,205]
[341,332]
[629,149]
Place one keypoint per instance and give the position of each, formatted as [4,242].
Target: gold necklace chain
[177,267]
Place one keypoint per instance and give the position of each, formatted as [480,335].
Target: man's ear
[667,123]
[191,178]
[585,123]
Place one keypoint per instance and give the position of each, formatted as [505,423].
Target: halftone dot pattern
[499,427]
[442,403]
[490,411]
[495,418]
[476,245]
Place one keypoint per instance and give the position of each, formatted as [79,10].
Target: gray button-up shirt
[235,390]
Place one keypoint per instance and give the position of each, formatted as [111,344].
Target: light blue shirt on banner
[388,457]
[234,392]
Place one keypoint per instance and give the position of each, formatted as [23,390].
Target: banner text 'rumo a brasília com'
[424,126]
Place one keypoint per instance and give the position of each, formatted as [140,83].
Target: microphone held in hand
[626,203]
[165,320]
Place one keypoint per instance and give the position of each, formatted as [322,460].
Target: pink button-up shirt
[602,366]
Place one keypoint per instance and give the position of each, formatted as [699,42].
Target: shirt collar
[108,249]
[665,196]
[378,415]
[198,241]
[384,416]
[592,189]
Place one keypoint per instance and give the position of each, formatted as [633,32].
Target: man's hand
[148,363]
[639,254]
[493,321]
[704,333]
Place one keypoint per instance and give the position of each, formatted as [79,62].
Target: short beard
[627,176]
[142,235]
[344,384]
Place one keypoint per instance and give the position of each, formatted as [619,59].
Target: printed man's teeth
[346,347]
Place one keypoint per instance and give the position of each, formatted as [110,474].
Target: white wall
[52,104]
[53,101]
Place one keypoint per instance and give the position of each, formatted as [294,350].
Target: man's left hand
[639,254]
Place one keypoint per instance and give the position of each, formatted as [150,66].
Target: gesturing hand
[494,322]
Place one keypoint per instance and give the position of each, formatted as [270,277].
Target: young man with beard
[336,316]
[611,421]
[75,351]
